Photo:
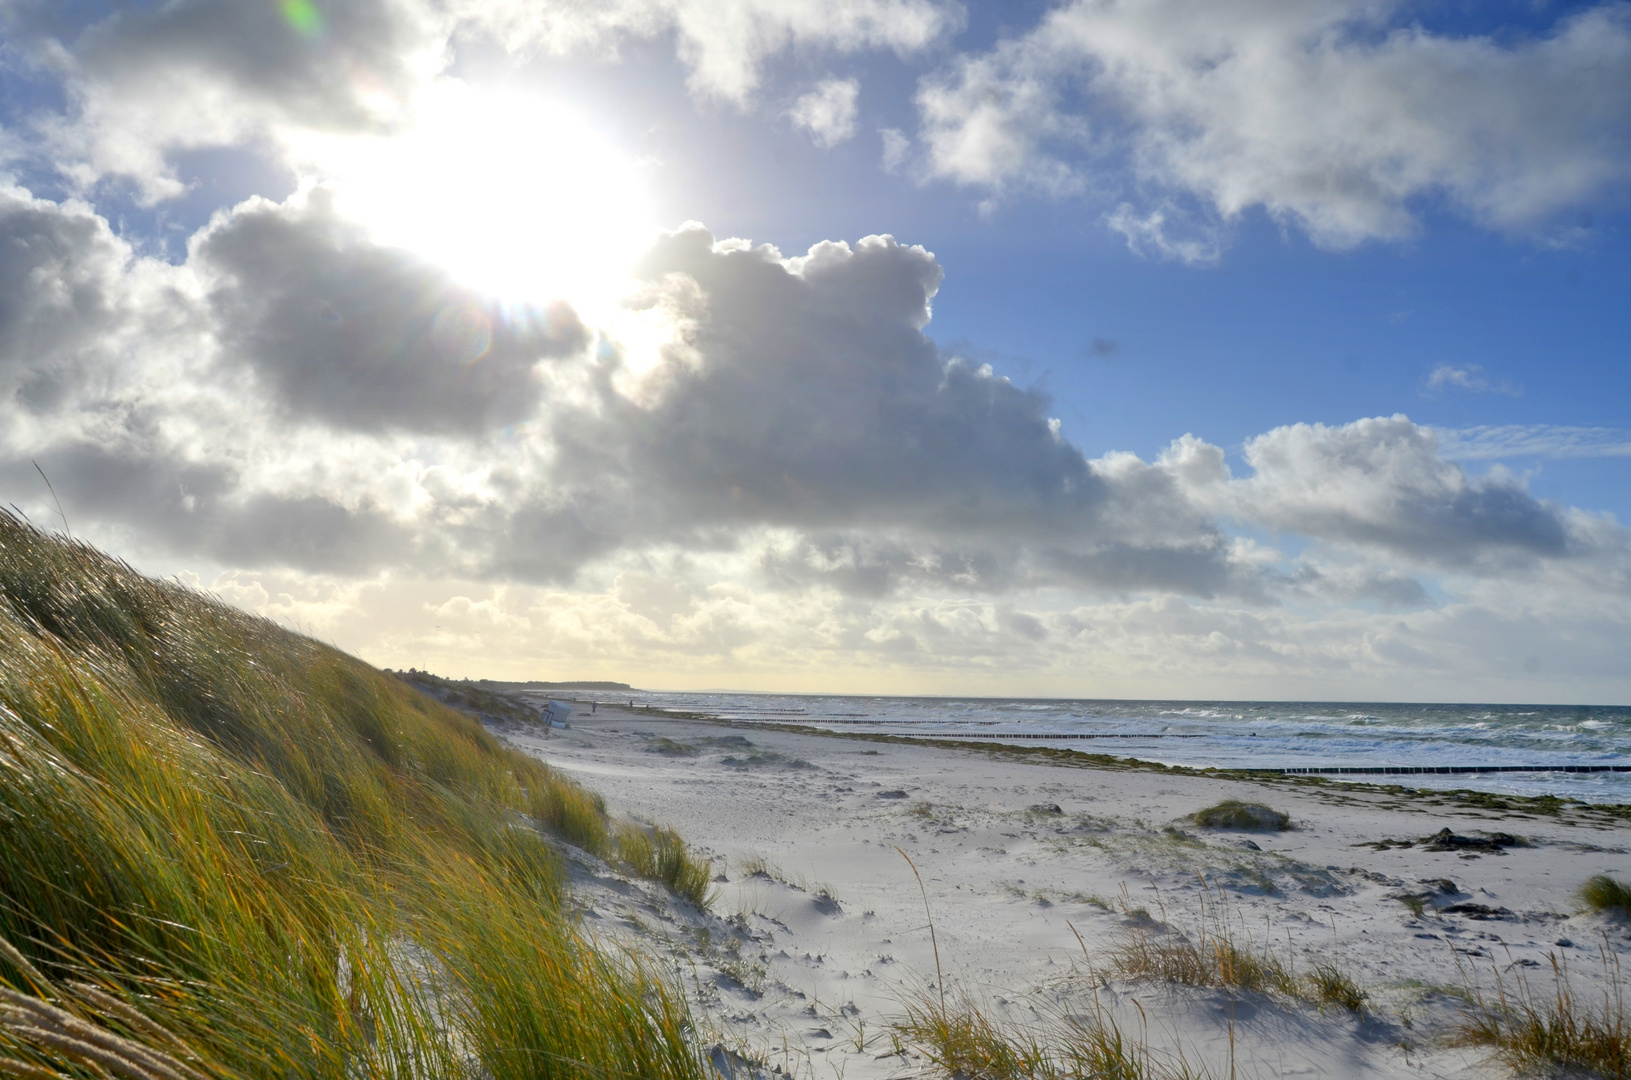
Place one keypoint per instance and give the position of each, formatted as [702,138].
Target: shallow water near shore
[1237,734]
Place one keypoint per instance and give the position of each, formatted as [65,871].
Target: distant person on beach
[593,705]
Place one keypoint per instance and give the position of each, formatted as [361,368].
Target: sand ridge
[819,936]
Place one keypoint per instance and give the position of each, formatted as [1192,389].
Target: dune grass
[1535,1030]
[264,857]
[1214,953]
[658,852]
[965,1040]
[1603,893]
[1217,952]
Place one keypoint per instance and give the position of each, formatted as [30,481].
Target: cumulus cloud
[203,509]
[795,474]
[1333,116]
[828,111]
[794,393]
[1382,484]
[803,393]
[366,337]
[61,295]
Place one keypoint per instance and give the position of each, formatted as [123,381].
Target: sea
[1515,749]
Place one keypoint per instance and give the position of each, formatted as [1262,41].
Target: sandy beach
[1034,872]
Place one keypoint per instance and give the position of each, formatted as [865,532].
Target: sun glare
[515,196]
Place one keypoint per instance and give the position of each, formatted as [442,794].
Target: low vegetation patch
[1603,893]
[1330,985]
[1217,952]
[659,853]
[230,850]
[1553,1027]
[1234,814]
[1211,956]
[964,1040]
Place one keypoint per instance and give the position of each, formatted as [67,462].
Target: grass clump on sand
[1234,814]
[1603,893]
[1218,955]
[230,847]
[1549,1030]
[659,853]
[963,1040]
[1330,985]
[1211,957]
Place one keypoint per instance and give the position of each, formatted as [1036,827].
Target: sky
[1250,349]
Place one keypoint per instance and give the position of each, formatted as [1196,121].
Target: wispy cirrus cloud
[1498,441]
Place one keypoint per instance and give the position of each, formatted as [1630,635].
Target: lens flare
[303,16]
[462,333]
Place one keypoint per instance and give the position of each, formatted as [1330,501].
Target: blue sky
[431,391]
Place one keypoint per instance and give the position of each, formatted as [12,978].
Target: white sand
[1007,885]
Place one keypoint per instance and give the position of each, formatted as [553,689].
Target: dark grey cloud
[1387,589]
[868,565]
[805,395]
[800,423]
[808,395]
[369,338]
[205,509]
[1198,569]
[322,65]
[60,294]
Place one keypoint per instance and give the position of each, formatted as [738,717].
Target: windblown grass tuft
[1330,985]
[1556,1029]
[659,853]
[265,858]
[1212,954]
[1603,893]
[963,1040]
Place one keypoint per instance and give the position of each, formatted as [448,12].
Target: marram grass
[1603,893]
[228,847]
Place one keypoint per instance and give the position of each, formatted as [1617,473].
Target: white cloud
[1148,234]
[146,81]
[828,111]
[724,44]
[696,621]
[796,480]
[895,148]
[1471,377]
[1381,485]
[1329,115]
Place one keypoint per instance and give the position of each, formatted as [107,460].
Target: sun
[514,195]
